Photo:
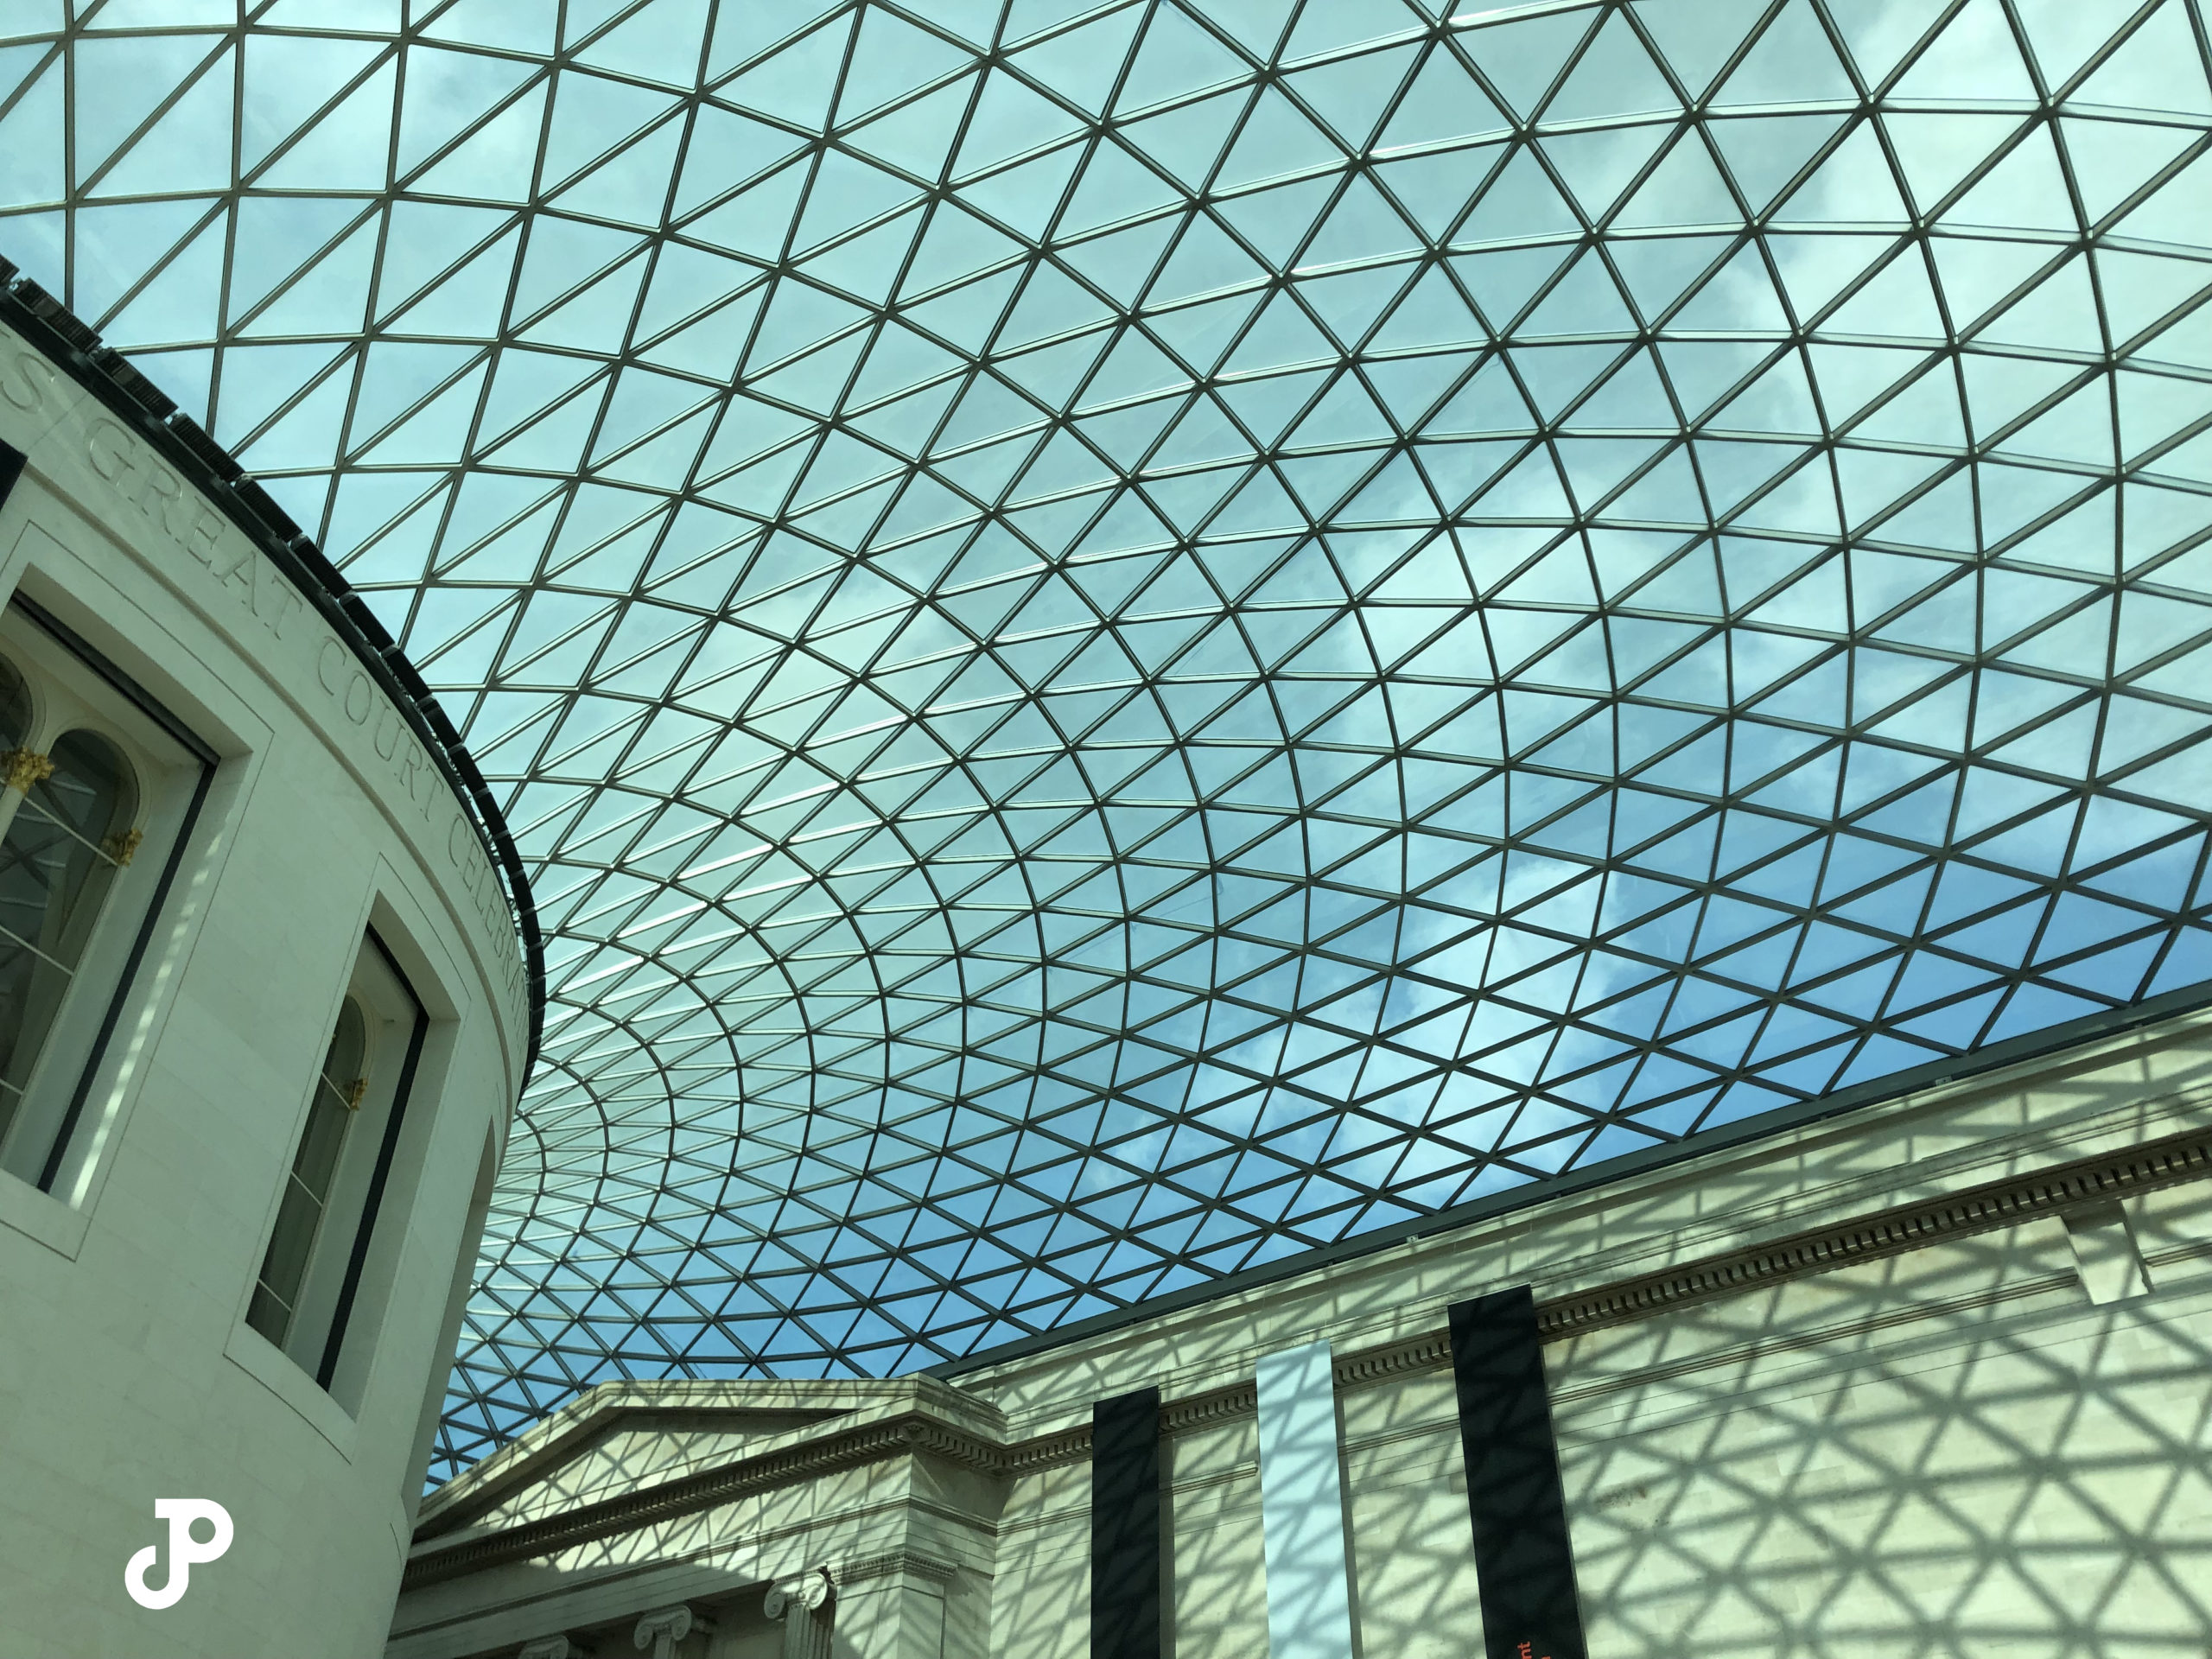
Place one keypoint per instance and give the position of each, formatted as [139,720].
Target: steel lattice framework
[1130,638]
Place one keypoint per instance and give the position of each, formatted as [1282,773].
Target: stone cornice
[2096,1042]
[899,1561]
[2167,1161]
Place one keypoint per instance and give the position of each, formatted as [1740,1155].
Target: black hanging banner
[12,468]
[1524,1565]
[1125,1526]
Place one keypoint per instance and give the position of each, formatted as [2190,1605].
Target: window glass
[15,706]
[67,835]
[338,1094]
[328,1269]
[98,787]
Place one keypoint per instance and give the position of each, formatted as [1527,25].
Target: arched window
[68,830]
[337,1100]
[98,788]
[320,1293]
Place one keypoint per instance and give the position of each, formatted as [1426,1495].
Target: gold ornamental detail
[26,768]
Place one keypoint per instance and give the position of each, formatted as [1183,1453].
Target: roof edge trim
[2015,1051]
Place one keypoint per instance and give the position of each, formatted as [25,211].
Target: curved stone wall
[319,821]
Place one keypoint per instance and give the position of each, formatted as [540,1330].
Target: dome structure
[1126,640]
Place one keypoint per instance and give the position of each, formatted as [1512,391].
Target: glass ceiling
[1130,638]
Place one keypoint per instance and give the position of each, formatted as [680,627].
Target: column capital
[804,1605]
[812,1591]
[664,1627]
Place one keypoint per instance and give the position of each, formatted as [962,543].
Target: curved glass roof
[1130,637]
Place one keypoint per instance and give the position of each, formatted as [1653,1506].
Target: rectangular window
[98,790]
[311,1274]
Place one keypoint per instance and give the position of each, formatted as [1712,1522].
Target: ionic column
[803,1607]
[662,1628]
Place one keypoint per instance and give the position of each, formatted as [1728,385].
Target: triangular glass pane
[1442,104]
[1520,60]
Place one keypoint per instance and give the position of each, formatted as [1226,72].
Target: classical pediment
[626,1454]
[627,1437]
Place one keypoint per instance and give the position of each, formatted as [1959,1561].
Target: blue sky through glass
[1130,638]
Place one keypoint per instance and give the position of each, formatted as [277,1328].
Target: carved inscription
[24,378]
[191,524]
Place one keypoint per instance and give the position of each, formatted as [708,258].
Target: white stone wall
[127,1373]
[1993,1444]
[1988,1447]
[1954,1453]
